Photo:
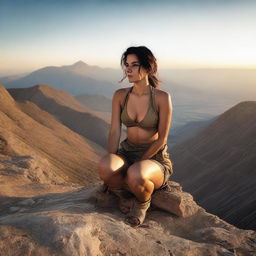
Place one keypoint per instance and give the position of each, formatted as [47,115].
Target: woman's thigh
[111,164]
[145,170]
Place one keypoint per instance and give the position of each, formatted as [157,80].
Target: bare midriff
[140,135]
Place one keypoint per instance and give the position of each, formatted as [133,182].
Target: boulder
[172,199]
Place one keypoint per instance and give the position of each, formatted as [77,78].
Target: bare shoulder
[162,96]
[119,94]
[121,91]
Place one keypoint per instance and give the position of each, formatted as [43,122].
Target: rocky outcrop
[174,200]
[27,169]
[86,221]
[27,176]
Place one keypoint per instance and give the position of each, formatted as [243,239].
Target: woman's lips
[129,75]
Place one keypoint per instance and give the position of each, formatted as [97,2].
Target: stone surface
[174,200]
[86,221]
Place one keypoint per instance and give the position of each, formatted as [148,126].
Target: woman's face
[131,68]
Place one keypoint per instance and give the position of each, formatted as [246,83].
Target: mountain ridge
[217,166]
[66,109]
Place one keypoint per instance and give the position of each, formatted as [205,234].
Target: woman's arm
[165,117]
[115,127]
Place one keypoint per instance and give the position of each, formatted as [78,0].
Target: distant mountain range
[235,84]
[218,165]
[190,104]
[75,79]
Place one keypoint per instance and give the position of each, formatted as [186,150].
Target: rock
[14,209]
[86,221]
[27,168]
[27,202]
[174,200]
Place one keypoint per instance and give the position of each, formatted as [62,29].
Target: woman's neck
[141,87]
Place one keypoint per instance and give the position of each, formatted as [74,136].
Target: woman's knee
[144,174]
[108,165]
[134,176]
[138,182]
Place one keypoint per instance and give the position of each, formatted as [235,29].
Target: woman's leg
[112,170]
[143,177]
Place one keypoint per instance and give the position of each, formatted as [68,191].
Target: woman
[141,164]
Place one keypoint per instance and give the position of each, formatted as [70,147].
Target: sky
[181,34]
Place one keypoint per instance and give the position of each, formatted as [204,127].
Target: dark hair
[147,61]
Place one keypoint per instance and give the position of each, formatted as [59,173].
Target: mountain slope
[67,110]
[25,129]
[187,131]
[218,165]
[95,102]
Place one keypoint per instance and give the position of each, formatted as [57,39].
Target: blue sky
[182,34]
